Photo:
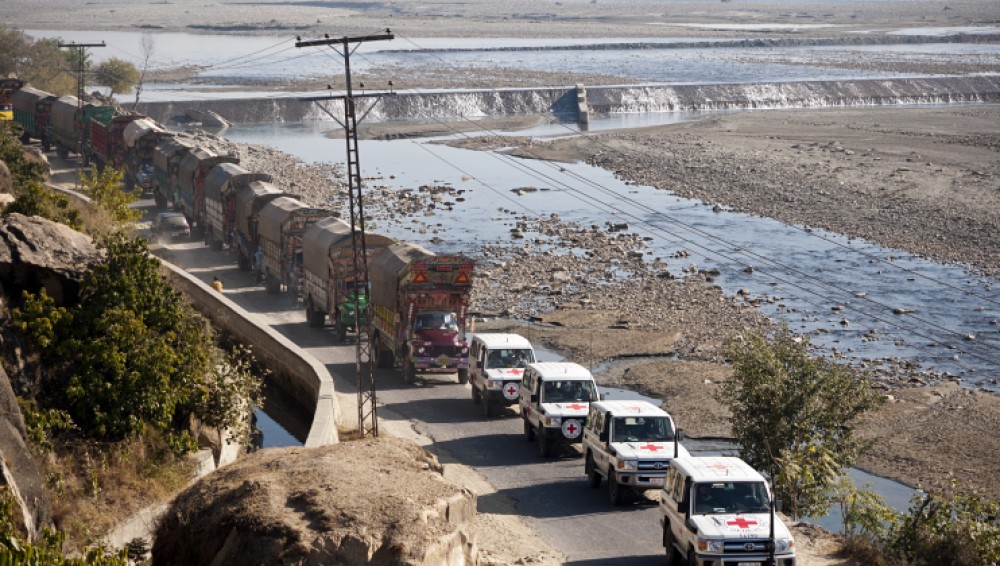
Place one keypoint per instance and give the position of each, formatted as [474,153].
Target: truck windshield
[436,321]
[730,497]
[568,391]
[644,429]
[510,358]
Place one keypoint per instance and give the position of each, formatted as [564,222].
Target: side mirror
[779,505]
[679,434]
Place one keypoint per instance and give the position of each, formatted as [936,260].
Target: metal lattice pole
[81,80]
[364,366]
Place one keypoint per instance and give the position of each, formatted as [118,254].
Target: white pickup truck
[630,443]
[496,368]
[554,400]
[717,510]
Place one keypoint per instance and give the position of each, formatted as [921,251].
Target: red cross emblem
[576,406]
[571,428]
[651,447]
[741,523]
[516,371]
[511,390]
[717,467]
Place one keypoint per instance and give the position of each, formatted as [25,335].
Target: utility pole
[81,75]
[364,366]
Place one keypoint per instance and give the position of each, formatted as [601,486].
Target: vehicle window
[568,391]
[634,429]
[731,497]
[436,321]
[510,358]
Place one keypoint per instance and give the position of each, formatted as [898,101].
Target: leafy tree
[133,354]
[40,63]
[793,415]
[105,188]
[117,74]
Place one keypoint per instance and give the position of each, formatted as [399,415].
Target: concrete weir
[579,103]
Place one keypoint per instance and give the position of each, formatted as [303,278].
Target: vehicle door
[601,455]
[528,396]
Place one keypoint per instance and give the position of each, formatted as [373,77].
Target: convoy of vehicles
[718,510]
[630,444]
[496,368]
[712,510]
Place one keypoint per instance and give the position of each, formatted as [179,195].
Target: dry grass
[94,487]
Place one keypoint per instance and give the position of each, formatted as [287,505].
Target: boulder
[6,180]
[19,472]
[374,501]
[36,253]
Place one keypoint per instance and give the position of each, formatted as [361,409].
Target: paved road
[550,494]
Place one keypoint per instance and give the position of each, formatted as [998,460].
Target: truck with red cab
[420,310]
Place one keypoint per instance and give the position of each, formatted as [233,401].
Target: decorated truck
[280,225]
[8,86]
[191,174]
[63,125]
[167,157]
[249,202]
[420,310]
[107,139]
[221,186]
[31,111]
[329,284]
[141,138]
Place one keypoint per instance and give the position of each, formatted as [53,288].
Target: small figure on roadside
[216,284]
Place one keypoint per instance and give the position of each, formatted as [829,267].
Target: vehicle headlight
[553,421]
[709,545]
[465,350]
[783,545]
[420,350]
[496,384]
[628,465]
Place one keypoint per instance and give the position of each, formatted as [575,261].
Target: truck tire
[463,375]
[544,445]
[477,398]
[383,357]
[409,371]
[616,491]
[529,431]
[488,411]
[341,328]
[673,555]
[593,476]
[314,317]
[271,284]
[692,557]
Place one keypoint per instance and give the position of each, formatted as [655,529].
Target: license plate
[656,481]
[748,564]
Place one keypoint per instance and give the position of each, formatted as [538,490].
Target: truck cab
[554,399]
[496,369]
[717,510]
[629,443]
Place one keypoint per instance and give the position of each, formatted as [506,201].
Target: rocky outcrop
[36,253]
[19,472]
[378,501]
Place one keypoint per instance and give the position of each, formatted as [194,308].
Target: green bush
[133,354]
[794,414]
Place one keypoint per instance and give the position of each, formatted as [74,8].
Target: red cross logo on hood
[576,406]
[741,523]
[651,447]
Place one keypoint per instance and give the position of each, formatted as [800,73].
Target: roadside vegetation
[115,387]
[796,415]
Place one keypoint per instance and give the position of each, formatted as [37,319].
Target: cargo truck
[191,174]
[249,201]
[221,186]
[166,166]
[420,310]
[329,282]
[107,139]
[31,111]
[280,225]
[63,126]
[141,137]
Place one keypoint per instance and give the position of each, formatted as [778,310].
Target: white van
[555,399]
[496,368]
[717,510]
